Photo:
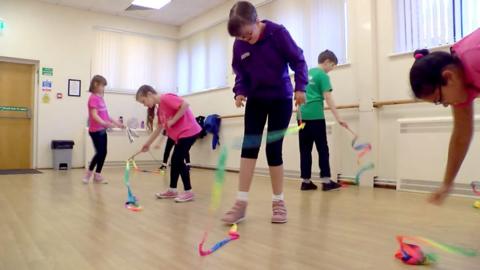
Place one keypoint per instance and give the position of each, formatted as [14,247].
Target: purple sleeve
[295,58]
[241,85]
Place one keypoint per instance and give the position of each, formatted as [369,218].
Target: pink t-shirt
[468,51]
[185,127]
[97,102]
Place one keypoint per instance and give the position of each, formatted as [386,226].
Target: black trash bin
[62,154]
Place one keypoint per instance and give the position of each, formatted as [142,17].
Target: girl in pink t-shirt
[451,79]
[176,118]
[98,122]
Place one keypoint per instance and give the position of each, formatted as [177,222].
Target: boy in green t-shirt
[319,89]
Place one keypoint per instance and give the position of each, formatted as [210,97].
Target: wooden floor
[53,221]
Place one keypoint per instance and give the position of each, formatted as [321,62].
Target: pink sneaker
[237,213]
[88,175]
[185,197]
[169,194]
[98,179]
[279,212]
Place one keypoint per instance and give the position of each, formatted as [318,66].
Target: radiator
[422,149]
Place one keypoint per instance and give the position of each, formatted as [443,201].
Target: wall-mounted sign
[46,86]
[13,109]
[47,71]
[46,98]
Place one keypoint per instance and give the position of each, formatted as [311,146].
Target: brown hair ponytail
[143,92]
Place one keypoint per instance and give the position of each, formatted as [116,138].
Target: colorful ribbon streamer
[413,254]
[254,141]
[132,202]
[219,180]
[232,235]
[362,150]
[215,202]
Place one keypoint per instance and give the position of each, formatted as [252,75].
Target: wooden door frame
[35,103]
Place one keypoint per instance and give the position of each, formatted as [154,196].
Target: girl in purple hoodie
[262,53]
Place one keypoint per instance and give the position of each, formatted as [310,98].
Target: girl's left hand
[299,98]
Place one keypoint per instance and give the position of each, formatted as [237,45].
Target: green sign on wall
[13,109]
[47,71]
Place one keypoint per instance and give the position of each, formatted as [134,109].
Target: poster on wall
[74,88]
[46,86]
[46,98]
[46,71]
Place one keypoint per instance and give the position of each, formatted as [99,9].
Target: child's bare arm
[459,143]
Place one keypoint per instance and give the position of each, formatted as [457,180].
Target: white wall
[61,38]
[373,74]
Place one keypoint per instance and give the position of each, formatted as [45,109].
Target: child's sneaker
[98,179]
[279,212]
[185,197]
[169,194]
[163,167]
[237,213]
[331,186]
[308,186]
[88,175]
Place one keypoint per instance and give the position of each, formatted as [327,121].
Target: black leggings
[315,131]
[99,139]
[178,162]
[168,148]
[279,112]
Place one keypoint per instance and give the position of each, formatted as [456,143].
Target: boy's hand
[343,123]
[299,98]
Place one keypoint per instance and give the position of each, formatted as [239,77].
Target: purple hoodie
[261,69]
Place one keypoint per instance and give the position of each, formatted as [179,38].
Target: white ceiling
[175,13]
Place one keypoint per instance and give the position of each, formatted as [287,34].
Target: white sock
[325,180]
[242,196]
[172,189]
[278,197]
[306,181]
[190,190]
[164,164]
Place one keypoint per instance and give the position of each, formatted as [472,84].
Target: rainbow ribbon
[215,202]
[362,150]
[232,235]
[254,141]
[412,254]
[132,202]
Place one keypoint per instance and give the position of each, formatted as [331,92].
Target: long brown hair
[97,79]
[143,92]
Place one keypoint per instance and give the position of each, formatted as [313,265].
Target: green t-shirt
[318,83]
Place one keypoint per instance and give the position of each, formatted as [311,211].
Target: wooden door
[16,104]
